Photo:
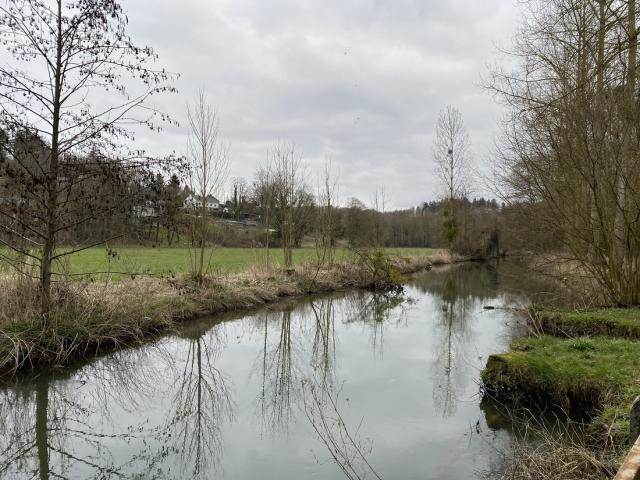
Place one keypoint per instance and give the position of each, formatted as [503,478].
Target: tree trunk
[268,236]
[596,223]
[203,233]
[630,108]
[42,444]
[52,184]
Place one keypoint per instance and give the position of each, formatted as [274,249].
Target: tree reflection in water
[47,433]
[345,446]
[376,310]
[283,361]
[280,375]
[323,356]
[286,357]
[51,431]
[460,290]
[201,405]
[453,329]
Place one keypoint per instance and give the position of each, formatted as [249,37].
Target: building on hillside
[147,210]
[195,202]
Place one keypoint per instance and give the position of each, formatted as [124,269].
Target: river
[349,385]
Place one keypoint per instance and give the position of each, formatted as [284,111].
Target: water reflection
[462,291]
[345,445]
[201,405]
[323,354]
[301,389]
[66,425]
[454,341]
[48,431]
[376,311]
[280,373]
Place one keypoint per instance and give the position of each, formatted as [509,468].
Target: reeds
[561,451]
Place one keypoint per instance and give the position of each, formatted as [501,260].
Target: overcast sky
[354,81]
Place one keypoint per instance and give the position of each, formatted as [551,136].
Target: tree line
[147,207]
[569,154]
[76,92]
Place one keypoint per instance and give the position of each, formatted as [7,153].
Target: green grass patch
[178,260]
[617,322]
[598,375]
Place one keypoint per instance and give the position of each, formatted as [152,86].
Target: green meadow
[177,260]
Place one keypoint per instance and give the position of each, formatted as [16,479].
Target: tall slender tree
[79,84]
[209,165]
[327,218]
[287,183]
[451,151]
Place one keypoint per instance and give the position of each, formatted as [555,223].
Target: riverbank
[367,351]
[96,316]
[615,322]
[120,261]
[584,361]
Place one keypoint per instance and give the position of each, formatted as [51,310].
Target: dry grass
[544,453]
[93,316]
[445,257]
[553,460]
[87,318]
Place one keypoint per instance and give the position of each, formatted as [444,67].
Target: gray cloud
[358,82]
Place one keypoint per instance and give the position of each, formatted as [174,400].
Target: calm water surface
[278,393]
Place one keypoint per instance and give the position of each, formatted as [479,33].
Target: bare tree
[327,193]
[379,207]
[208,157]
[571,139]
[263,197]
[240,193]
[290,197]
[66,55]
[451,151]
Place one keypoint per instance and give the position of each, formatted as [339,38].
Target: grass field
[167,260]
[598,375]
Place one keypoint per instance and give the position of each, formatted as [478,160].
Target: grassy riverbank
[599,375]
[583,361]
[122,261]
[98,315]
[617,322]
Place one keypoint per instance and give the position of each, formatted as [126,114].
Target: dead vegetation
[90,317]
[86,319]
[552,460]
[545,452]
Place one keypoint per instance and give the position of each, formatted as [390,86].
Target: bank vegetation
[92,317]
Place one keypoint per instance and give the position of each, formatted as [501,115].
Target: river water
[351,385]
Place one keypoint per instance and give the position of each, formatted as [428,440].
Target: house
[146,210]
[195,202]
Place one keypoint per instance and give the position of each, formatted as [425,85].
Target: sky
[358,83]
